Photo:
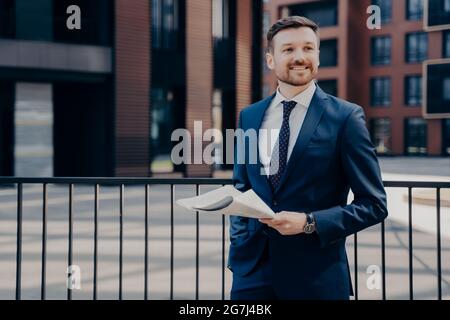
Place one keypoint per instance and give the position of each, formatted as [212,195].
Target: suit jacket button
[275,203]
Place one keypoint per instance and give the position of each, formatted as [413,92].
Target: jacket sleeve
[238,224]
[362,172]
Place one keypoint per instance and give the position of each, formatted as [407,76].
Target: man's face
[295,56]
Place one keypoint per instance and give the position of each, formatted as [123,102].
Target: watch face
[309,228]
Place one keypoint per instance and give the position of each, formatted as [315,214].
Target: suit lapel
[312,118]
[255,123]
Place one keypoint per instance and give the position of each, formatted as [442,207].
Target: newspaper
[229,201]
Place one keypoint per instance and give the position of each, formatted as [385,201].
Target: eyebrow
[290,44]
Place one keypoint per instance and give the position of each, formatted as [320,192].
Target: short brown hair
[291,22]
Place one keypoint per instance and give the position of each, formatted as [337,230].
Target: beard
[297,78]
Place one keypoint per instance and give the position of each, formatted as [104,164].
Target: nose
[299,56]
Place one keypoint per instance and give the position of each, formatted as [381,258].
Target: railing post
[69,288]
[121,241]
[410,241]
[171,239]
[438,235]
[146,244]
[356,264]
[19,242]
[383,259]
[197,246]
[96,194]
[44,241]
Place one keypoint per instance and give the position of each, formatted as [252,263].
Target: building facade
[384,70]
[103,99]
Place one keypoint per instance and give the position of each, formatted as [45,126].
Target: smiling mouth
[299,68]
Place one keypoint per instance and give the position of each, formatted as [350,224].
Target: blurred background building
[104,100]
[399,73]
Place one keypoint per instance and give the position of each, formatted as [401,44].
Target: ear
[270,60]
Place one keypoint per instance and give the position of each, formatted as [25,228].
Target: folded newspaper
[229,201]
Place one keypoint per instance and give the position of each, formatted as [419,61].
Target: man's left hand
[287,222]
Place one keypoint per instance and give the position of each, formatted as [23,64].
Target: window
[165,21]
[7,14]
[162,125]
[446,89]
[380,92]
[33,145]
[34,20]
[329,86]
[446,136]
[413,91]
[220,29]
[328,53]
[381,135]
[438,89]
[385,9]
[414,9]
[415,136]
[446,44]
[438,13]
[322,12]
[381,50]
[416,47]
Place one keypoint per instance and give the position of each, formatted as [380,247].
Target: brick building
[383,69]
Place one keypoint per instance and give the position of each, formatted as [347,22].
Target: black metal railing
[197,182]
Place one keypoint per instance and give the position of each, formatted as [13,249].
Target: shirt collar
[303,98]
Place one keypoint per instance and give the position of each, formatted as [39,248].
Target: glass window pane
[7,19]
[446,89]
[322,12]
[446,136]
[380,92]
[413,91]
[381,50]
[414,10]
[446,44]
[417,47]
[328,53]
[381,135]
[33,118]
[416,136]
[385,9]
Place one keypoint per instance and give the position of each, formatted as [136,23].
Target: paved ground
[369,244]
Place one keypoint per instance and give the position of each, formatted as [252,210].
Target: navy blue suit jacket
[333,154]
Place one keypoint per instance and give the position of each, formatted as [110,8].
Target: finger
[265,221]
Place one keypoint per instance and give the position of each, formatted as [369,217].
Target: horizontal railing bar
[117,181]
[184,181]
[416,184]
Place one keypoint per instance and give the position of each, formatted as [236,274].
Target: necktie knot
[288,106]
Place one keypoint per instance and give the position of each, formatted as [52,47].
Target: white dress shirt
[273,118]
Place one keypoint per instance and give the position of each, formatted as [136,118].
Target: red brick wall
[243,55]
[132,87]
[199,61]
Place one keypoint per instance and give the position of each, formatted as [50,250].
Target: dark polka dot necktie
[279,155]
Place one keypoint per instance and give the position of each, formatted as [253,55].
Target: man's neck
[290,91]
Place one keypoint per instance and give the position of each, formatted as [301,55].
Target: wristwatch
[310,225]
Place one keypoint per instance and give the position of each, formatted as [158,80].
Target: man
[323,149]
